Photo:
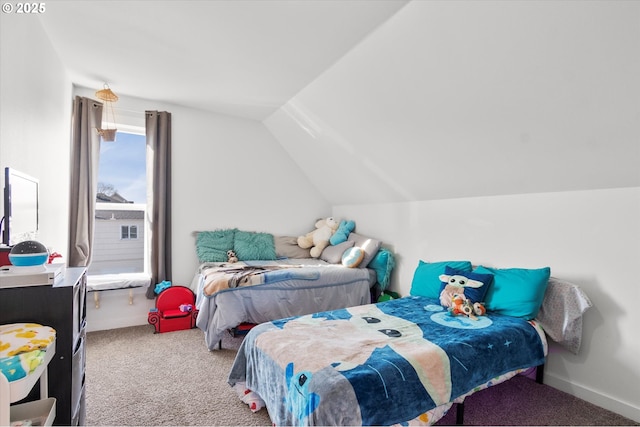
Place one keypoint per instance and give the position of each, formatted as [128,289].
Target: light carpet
[135,377]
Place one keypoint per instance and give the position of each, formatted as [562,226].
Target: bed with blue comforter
[399,362]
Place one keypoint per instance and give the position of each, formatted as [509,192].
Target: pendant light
[109,118]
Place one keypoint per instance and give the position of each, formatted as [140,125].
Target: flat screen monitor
[20,207]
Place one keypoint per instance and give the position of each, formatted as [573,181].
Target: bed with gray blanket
[271,281]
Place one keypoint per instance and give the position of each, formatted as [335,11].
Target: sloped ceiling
[453,99]
[244,58]
[389,101]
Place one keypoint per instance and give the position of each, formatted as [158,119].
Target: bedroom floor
[136,377]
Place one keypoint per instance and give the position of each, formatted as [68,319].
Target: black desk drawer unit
[63,307]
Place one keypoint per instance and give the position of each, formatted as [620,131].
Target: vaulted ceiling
[244,58]
[406,100]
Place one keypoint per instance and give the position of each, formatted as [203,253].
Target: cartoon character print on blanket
[446,318]
[389,363]
[300,401]
[369,339]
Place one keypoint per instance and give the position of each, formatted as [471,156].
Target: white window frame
[128,229]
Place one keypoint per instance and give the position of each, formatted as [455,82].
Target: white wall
[35,107]
[587,237]
[231,172]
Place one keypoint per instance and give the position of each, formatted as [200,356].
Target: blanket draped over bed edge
[379,364]
[232,276]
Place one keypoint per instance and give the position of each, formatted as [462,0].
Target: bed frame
[539,378]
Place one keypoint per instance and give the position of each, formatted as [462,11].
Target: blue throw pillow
[212,246]
[516,292]
[254,246]
[474,292]
[342,233]
[383,263]
[426,279]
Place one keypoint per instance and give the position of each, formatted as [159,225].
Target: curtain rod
[128,111]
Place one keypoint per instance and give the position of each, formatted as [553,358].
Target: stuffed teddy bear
[318,239]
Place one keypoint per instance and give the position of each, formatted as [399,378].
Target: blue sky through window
[123,165]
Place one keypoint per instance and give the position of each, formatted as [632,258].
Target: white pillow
[333,254]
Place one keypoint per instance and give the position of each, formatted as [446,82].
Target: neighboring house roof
[114,198]
[116,214]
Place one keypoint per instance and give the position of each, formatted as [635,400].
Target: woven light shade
[107,95]
[108,135]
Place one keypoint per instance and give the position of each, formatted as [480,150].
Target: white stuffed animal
[318,239]
[231,256]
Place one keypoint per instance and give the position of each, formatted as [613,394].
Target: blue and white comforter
[380,364]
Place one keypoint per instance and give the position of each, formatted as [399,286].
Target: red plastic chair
[175,310]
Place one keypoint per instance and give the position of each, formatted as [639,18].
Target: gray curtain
[158,130]
[85,155]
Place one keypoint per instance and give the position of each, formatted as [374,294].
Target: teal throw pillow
[474,285]
[516,292]
[342,233]
[383,264]
[212,246]
[250,245]
[426,279]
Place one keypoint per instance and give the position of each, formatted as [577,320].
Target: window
[119,245]
[129,232]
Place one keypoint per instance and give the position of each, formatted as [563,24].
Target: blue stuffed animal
[342,233]
[162,286]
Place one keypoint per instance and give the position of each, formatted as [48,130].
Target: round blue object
[28,254]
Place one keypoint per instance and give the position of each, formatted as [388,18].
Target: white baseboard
[625,409]
[117,309]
